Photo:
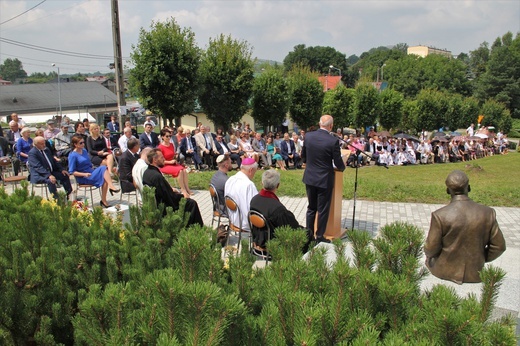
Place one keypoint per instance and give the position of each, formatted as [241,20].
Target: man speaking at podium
[322,155]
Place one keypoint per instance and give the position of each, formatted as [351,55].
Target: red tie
[108,145]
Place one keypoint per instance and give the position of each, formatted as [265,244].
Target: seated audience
[139,167]
[275,153]
[219,179]
[171,166]
[123,140]
[188,149]
[288,152]
[97,149]
[206,146]
[110,142]
[277,215]
[81,167]
[62,141]
[44,169]
[148,139]
[246,148]
[23,145]
[51,130]
[81,130]
[234,148]
[126,164]
[164,194]
[241,188]
[260,149]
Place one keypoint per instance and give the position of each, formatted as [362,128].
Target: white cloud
[273,28]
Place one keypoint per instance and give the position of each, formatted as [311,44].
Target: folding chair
[233,208]
[117,156]
[257,221]
[7,172]
[217,214]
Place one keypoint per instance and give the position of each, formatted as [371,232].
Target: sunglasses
[81,143]
[168,136]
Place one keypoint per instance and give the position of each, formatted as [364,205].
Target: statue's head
[457,183]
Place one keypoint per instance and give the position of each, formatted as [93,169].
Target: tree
[367,105]
[12,69]
[166,60]
[339,102]
[391,108]
[226,75]
[501,80]
[478,59]
[318,59]
[496,114]
[270,101]
[432,107]
[306,97]
[412,73]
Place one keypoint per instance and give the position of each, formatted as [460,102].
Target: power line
[55,51]
[50,62]
[23,13]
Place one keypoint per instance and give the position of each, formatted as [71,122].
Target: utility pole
[118,63]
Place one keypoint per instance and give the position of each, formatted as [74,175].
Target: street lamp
[335,68]
[59,87]
[382,67]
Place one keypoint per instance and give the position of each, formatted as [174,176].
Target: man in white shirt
[241,188]
[138,170]
[471,130]
[21,123]
[123,140]
[62,141]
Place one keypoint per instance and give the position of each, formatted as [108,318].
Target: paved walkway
[371,216]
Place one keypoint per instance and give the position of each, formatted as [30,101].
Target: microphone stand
[358,152]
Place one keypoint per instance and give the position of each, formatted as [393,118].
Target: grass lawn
[494,181]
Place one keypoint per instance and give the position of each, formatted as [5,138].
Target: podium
[334,230]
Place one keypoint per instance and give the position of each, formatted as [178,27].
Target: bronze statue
[463,235]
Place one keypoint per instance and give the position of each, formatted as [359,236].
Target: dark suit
[276,214]
[284,151]
[463,236]
[40,171]
[126,163]
[164,195]
[233,156]
[9,135]
[183,147]
[144,141]
[319,151]
[4,144]
[115,132]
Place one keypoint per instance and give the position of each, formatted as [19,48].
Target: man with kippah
[463,235]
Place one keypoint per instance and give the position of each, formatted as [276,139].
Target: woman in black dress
[97,149]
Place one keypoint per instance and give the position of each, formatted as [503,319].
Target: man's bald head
[326,122]
[457,183]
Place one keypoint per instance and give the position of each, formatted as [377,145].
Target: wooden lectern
[334,230]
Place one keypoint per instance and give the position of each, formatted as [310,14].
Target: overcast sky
[272,28]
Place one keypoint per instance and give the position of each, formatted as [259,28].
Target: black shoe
[113,191]
[103,205]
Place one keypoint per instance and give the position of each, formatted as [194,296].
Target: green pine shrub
[72,277]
